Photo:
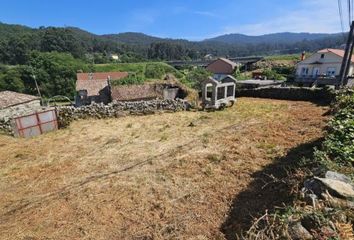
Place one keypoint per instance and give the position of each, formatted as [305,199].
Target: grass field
[163,176]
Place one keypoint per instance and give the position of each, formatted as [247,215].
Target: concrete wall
[20,110]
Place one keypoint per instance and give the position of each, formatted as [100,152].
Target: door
[316,72]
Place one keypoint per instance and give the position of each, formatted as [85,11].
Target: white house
[323,66]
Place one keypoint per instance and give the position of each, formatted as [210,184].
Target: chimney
[303,56]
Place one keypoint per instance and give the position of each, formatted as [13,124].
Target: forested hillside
[16,43]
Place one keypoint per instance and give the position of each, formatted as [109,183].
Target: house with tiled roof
[221,68]
[322,68]
[95,87]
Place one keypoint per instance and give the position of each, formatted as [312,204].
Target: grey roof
[9,99]
[93,87]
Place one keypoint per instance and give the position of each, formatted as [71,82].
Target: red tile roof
[233,64]
[338,52]
[101,76]
[9,99]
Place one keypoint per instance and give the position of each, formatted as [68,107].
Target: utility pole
[35,81]
[347,59]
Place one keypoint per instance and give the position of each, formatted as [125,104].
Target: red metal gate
[36,124]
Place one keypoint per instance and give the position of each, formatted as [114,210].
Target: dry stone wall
[8,114]
[289,93]
[117,109]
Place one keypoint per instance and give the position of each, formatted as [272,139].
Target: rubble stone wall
[20,109]
[117,109]
[8,114]
[289,93]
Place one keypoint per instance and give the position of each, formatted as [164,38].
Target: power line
[350,11]
[340,9]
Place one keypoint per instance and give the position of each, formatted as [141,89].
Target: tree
[12,81]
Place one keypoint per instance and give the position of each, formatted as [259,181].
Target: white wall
[330,60]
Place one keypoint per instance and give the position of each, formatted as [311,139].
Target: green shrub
[195,78]
[130,80]
[155,71]
[338,146]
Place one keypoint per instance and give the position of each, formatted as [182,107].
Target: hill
[16,43]
[285,37]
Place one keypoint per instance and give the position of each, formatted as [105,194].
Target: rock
[338,188]
[337,202]
[314,186]
[338,176]
[298,232]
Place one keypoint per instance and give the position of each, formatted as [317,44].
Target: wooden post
[344,71]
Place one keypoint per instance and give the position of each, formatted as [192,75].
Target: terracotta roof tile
[233,64]
[338,52]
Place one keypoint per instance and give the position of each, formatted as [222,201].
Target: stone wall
[8,114]
[117,109]
[20,110]
[289,93]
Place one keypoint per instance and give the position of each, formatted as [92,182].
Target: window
[331,71]
[304,71]
[230,91]
[221,93]
[209,92]
[322,56]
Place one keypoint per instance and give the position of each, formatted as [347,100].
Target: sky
[187,19]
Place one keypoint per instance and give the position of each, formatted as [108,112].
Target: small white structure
[322,68]
[115,57]
[217,94]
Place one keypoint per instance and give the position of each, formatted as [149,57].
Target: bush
[130,80]
[154,71]
[272,75]
[338,146]
[195,78]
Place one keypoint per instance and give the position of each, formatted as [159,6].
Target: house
[218,93]
[221,68]
[89,91]
[114,57]
[13,104]
[95,87]
[322,68]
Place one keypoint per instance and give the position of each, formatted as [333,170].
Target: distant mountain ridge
[16,41]
[284,37]
[145,39]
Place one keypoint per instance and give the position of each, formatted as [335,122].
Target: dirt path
[168,176]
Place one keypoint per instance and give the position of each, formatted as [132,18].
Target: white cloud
[316,16]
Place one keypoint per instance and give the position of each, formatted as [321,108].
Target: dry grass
[168,176]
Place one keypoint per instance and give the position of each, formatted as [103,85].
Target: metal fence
[36,123]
